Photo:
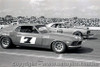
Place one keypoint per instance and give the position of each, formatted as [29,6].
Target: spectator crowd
[74,21]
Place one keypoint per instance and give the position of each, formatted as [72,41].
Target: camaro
[37,36]
[61,28]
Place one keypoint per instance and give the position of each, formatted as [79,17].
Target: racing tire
[78,34]
[6,43]
[59,47]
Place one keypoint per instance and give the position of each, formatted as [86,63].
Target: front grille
[76,43]
[80,42]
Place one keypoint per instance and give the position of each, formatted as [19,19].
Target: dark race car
[37,36]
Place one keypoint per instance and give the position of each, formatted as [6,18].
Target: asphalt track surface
[87,56]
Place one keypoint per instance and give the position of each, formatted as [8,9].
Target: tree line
[73,21]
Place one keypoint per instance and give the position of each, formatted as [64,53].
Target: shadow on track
[92,38]
[80,50]
[33,48]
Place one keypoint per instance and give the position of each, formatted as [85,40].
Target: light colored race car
[61,28]
[37,36]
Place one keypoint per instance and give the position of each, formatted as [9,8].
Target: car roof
[28,24]
[11,27]
[50,24]
[56,23]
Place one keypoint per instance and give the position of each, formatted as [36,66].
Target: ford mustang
[37,36]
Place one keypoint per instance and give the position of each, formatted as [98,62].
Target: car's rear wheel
[6,42]
[58,47]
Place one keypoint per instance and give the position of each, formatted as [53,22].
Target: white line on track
[60,57]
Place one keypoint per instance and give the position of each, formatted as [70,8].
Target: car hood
[80,27]
[62,36]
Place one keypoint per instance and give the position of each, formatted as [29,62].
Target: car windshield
[59,26]
[42,28]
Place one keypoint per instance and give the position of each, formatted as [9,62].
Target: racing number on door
[30,40]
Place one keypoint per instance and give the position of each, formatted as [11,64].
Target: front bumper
[75,44]
[87,35]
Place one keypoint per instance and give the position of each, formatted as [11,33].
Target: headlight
[67,42]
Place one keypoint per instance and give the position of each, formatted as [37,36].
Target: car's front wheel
[58,47]
[6,42]
[78,34]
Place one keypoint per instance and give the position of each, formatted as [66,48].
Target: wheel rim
[78,34]
[5,42]
[58,46]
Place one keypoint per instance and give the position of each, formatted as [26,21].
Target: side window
[26,29]
[34,30]
[58,26]
[62,26]
[54,25]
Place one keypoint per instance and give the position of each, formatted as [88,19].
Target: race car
[61,28]
[37,35]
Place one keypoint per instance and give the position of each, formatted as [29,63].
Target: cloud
[36,1]
[6,10]
[93,7]
[83,10]
[90,8]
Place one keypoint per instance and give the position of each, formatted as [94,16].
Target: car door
[26,36]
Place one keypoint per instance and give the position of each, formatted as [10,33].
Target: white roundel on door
[27,39]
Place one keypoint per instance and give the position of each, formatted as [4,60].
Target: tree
[8,18]
[42,20]
[42,17]
[32,19]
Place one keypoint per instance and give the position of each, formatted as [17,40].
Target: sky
[51,8]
